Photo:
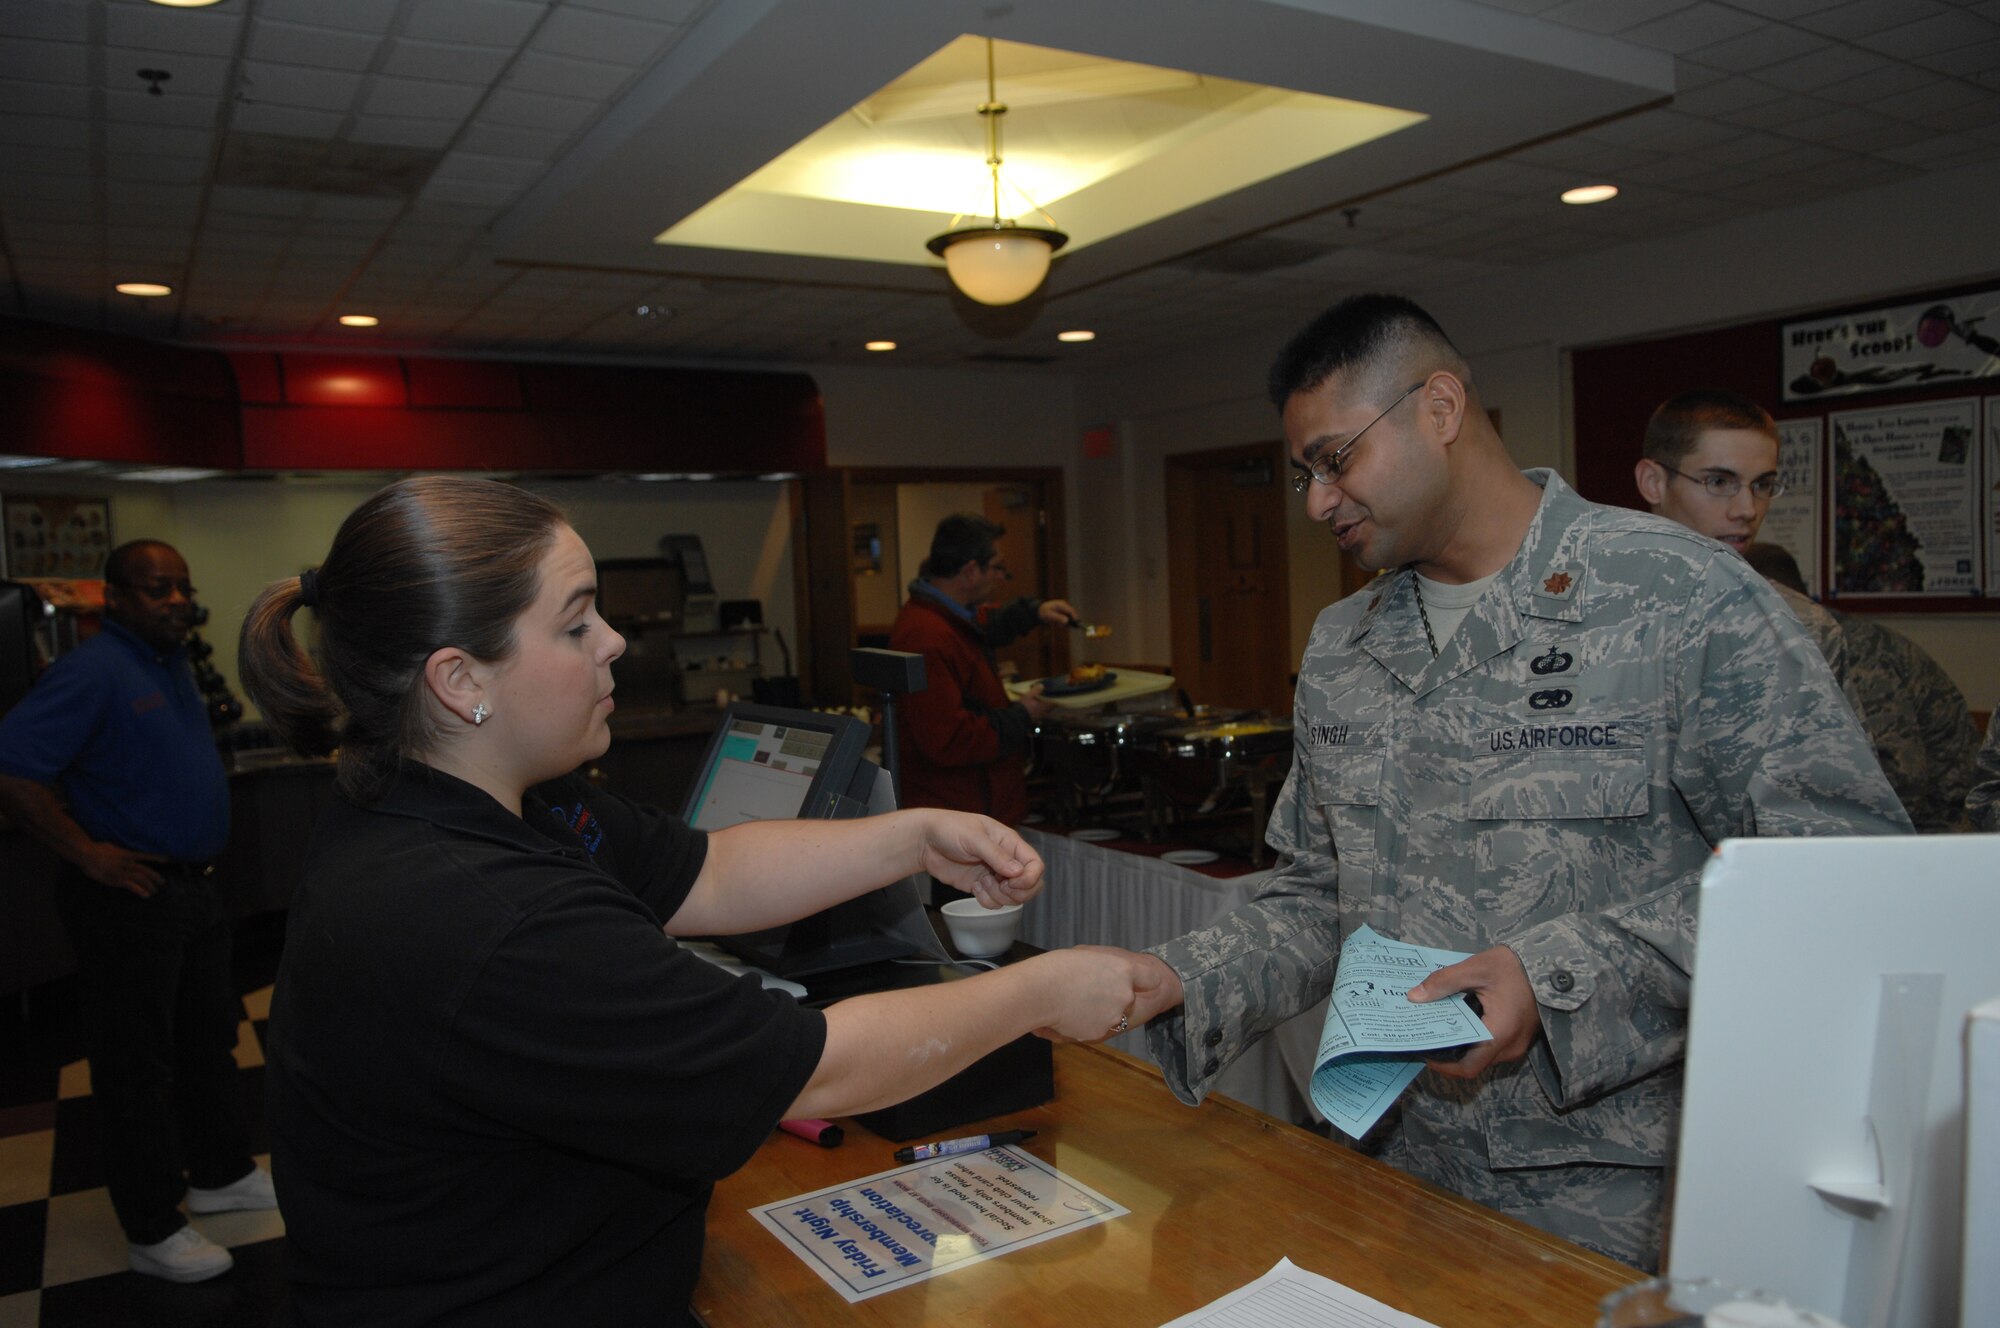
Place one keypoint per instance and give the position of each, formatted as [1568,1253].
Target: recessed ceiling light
[1590,193]
[187,4]
[148,289]
[170,474]
[652,312]
[359,320]
[878,345]
[1077,334]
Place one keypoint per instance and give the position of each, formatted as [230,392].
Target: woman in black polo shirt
[498,1091]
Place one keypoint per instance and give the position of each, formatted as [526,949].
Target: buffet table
[1216,1195]
[1121,892]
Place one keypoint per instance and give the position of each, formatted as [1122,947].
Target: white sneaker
[185,1256]
[253,1191]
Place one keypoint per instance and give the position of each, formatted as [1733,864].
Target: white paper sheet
[1290,1297]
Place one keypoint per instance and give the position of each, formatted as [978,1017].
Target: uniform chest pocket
[1348,777]
[1558,786]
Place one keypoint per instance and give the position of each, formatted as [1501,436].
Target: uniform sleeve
[1766,746]
[1010,622]
[1267,961]
[46,730]
[589,1029]
[1982,801]
[1949,737]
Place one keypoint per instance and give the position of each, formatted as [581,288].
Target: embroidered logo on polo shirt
[150,702]
[583,823]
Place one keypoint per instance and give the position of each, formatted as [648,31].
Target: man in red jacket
[963,742]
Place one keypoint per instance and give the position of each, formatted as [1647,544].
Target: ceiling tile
[564,77]
[475,22]
[173,31]
[447,63]
[1784,111]
[288,85]
[45,131]
[419,99]
[45,61]
[135,107]
[467,167]
[1884,80]
[1828,65]
[159,139]
[43,20]
[1931,35]
[1781,10]
[315,48]
[293,121]
[19,97]
[371,16]
[1755,50]
[472,192]
[1949,148]
[1865,16]
[146,168]
[1937,95]
[684,11]
[358,208]
[1689,29]
[403,132]
[1965,60]
[589,35]
[1732,94]
[534,110]
[511,141]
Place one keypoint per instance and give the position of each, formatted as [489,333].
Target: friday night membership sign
[904,1226]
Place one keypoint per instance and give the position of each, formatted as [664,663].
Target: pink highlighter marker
[824,1133]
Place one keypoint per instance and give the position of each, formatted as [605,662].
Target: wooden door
[1019,507]
[1228,588]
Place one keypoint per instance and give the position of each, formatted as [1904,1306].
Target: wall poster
[1906,512]
[1993,496]
[1793,518]
[1889,346]
[48,535]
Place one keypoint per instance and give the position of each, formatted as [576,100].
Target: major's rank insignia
[1557,584]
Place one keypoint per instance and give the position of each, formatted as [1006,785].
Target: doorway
[880,520]
[1229,587]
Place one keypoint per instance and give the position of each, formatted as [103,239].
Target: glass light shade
[998,264]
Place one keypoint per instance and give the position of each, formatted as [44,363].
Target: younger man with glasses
[118,725]
[1711,463]
[1522,742]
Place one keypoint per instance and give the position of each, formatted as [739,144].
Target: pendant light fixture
[1005,262]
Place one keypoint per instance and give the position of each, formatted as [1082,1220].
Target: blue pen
[970,1144]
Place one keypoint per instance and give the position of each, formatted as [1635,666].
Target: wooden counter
[1218,1194]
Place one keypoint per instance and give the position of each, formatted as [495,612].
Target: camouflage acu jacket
[1982,803]
[1917,720]
[1625,695]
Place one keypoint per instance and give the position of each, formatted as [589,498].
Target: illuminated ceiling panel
[1103,146]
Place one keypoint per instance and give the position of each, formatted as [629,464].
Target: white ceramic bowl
[978,932]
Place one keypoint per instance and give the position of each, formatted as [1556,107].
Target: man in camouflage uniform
[1537,778]
[1982,804]
[1711,463]
[1915,715]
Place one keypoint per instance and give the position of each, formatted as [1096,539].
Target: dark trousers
[160,1015]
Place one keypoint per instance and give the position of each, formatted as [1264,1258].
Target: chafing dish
[1200,770]
[1090,758]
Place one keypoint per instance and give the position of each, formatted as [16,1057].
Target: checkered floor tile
[62,1255]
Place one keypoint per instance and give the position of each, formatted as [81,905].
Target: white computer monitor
[1822,1148]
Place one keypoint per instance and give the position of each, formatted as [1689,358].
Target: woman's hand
[1093,989]
[982,857]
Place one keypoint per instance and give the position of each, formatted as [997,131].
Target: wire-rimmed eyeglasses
[1724,484]
[1326,469]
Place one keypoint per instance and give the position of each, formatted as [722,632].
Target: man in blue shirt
[118,726]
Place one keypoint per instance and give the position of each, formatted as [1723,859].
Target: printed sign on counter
[903,1226]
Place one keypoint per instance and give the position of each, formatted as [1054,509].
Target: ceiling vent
[1252,254]
[315,166]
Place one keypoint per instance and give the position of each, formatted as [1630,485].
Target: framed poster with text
[1906,511]
[1993,496]
[1794,517]
[48,535]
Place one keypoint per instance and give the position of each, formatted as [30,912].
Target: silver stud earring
[479,713]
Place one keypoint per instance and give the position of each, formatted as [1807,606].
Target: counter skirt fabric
[963,742]
[1626,695]
[498,1093]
